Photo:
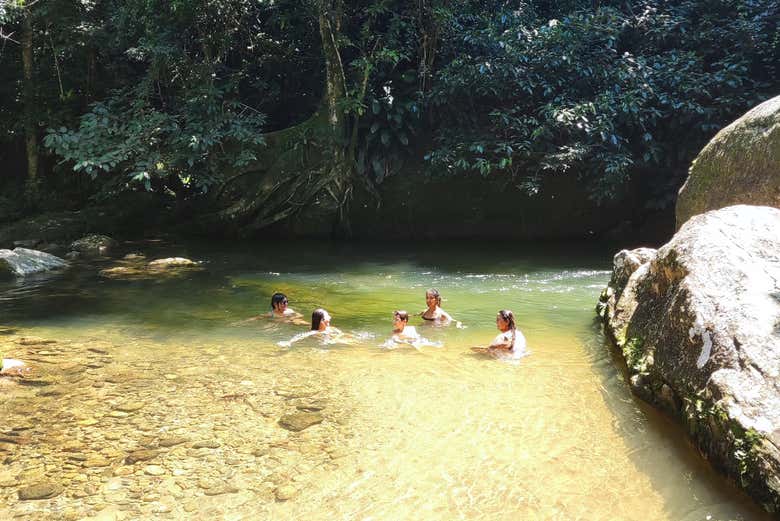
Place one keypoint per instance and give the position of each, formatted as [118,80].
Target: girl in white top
[509,343]
[402,332]
[320,326]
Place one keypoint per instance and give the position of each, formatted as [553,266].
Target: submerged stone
[285,493]
[154,470]
[40,491]
[219,489]
[141,455]
[206,445]
[171,442]
[129,406]
[300,421]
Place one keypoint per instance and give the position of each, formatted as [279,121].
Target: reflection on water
[157,398]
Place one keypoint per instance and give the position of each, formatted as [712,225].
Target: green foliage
[169,95]
[178,119]
[185,147]
[603,93]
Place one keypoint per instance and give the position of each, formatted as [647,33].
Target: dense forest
[242,116]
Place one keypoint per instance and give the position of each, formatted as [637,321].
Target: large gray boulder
[20,262]
[699,327]
[741,165]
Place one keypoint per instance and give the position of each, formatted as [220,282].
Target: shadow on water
[644,428]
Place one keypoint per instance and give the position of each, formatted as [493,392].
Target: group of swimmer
[509,343]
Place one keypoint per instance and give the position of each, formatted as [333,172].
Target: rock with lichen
[698,324]
[740,165]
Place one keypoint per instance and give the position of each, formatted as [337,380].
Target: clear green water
[439,433]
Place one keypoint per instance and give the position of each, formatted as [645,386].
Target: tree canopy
[196,99]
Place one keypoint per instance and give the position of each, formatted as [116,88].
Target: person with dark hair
[509,343]
[320,325]
[280,309]
[402,331]
[320,321]
[435,314]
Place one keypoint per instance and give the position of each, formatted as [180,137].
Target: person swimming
[280,309]
[510,342]
[404,334]
[402,331]
[434,314]
[320,325]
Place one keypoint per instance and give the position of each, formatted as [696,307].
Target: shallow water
[170,365]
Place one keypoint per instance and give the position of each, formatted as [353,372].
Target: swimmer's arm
[250,319]
[447,318]
[300,336]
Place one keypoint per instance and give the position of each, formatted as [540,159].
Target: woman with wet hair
[434,314]
[320,321]
[320,326]
[402,331]
[509,343]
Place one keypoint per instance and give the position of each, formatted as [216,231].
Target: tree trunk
[28,95]
[341,167]
[428,43]
[302,164]
[335,81]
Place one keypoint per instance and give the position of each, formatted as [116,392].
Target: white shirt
[504,339]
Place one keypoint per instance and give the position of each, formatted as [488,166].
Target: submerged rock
[699,327]
[21,262]
[740,165]
[299,421]
[285,493]
[40,491]
[141,455]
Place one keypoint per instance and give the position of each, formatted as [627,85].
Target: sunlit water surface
[171,365]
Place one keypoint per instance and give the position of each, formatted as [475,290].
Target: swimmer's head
[505,318]
[320,319]
[433,296]
[278,301]
[401,315]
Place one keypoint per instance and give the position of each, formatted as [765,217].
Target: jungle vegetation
[247,112]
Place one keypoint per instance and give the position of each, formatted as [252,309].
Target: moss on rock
[741,165]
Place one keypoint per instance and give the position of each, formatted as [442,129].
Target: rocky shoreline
[697,324]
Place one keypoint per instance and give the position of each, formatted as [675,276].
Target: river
[156,398]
